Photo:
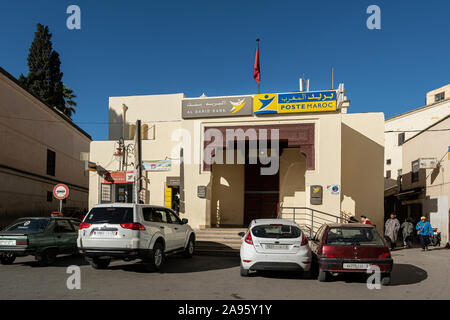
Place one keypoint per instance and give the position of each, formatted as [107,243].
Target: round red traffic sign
[60,191]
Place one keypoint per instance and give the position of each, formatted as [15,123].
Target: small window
[105,196]
[51,162]
[388,174]
[401,138]
[439,97]
[144,132]
[415,171]
[63,226]
[132,130]
[388,161]
[156,215]
[173,217]
[49,196]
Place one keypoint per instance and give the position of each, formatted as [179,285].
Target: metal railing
[311,219]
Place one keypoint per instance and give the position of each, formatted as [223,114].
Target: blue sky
[149,47]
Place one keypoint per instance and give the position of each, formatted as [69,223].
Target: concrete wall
[27,129]
[292,178]
[227,200]
[362,166]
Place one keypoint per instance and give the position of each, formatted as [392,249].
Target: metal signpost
[60,192]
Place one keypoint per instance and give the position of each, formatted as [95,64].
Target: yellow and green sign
[273,103]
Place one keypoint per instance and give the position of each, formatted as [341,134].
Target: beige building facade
[403,126]
[328,161]
[425,185]
[40,148]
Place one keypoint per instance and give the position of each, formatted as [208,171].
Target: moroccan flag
[257,72]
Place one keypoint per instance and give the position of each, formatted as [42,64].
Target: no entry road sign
[60,191]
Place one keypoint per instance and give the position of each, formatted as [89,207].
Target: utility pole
[137,162]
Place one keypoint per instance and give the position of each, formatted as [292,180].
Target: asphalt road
[416,275]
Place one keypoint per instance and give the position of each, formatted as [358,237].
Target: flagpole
[257,44]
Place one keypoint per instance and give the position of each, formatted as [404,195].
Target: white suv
[133,231]
[275,244]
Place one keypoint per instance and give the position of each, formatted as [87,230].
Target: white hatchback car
[274,244]
[133,231]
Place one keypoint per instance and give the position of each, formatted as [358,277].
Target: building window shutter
[131,132]
[51,162]
[401,138]
[106,193]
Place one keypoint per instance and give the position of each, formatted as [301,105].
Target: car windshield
[111,215]
[29,225]
[353,236]
[277,231]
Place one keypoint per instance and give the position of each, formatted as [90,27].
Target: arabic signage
[119,177]
[217,107]
[157,165]
[317,101]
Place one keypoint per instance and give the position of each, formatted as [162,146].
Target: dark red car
[350,247]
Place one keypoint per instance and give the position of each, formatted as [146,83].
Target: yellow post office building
[223,161]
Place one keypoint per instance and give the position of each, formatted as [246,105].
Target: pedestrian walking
[392,226]
[407,232]
[424,230]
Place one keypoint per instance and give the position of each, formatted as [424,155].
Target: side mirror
[184,221]
[241,234]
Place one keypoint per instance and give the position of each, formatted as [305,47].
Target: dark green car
[43,238]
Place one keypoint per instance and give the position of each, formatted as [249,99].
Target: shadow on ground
[175,264]
[402,274]
[61,261]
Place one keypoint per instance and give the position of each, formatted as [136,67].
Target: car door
[317,239]
[158,218]
[179,229]
[65,236]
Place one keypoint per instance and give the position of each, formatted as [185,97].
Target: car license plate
[105,234]
[276,246]
[358,266]
[7,242]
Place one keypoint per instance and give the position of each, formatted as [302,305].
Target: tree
[70,104]
[44,78]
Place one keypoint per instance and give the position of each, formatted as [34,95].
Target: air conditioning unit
[428,163]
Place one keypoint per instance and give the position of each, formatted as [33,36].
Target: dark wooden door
[261,194]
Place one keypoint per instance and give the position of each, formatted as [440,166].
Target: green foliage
[44,78]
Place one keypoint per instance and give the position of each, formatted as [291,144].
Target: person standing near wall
[392,226]
[424,230]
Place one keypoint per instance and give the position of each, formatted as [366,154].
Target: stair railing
[309,218]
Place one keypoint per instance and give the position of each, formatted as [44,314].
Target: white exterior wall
[416,120]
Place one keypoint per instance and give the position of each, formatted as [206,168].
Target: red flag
[257,72]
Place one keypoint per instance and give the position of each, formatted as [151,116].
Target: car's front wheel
[99,263]
[244,272]
[7,258]
[190,248]
[155,261]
